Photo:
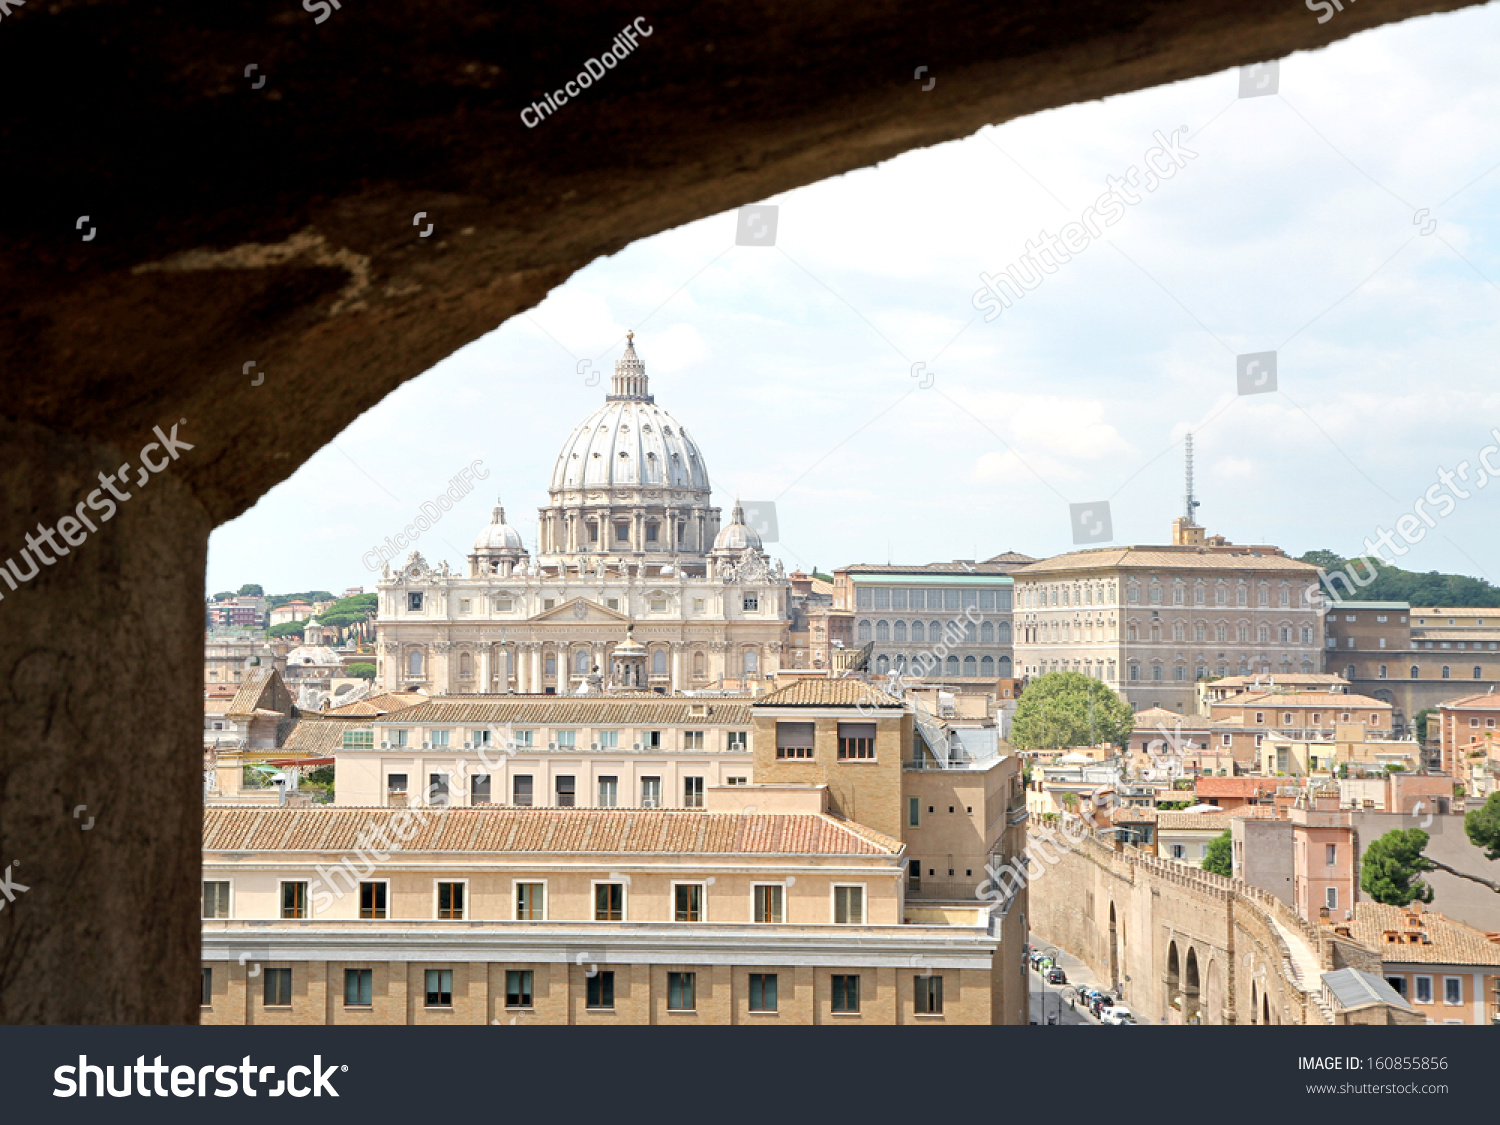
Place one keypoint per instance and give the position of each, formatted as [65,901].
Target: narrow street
[1056,1004]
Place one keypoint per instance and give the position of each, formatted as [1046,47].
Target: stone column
[523,678]
[441,674]
[538,682]
[716,660]
[485,687]
[678,656]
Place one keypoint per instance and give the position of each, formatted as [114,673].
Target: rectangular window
[359,740]
[439,988]
[566,797]
[737,781]
[651,532]
[439,738]
[294,900]
[650,792]
[692,792]
[609,792]
[465,605]
[1453,990]
[372,900]
[914,873]
[208,988]
[913,811]
[845,993]
[531,902]
[518,983]
[521,788]
[609,902]
[762,992]
[930,996]
[400,737]
[609,739]
[692,740]
[1424,990]
[479,789]
[358,988]
[395,783]
[856,740]
[849,905]
[480,737]
[653,740]
[413,600]
[794,740]
[1331,898]
[682,992]
[215,900]
[568,738]
[450,901]
[739,740]
[768,902]
[751,603]
[437,790]
[503,605]
[1330,854]
[688,902]
[1398,983]
[1178,851]
[278,988]
[601,990]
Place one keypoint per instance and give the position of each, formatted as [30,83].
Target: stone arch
[1174,977]
[1114,947]
[1213,993]
[1191,990]
[1254,1003]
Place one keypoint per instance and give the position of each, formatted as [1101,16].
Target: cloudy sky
[1347,223]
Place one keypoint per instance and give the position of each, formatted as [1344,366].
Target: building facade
[629,536]
[1151,621]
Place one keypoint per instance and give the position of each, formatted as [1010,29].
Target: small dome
[499,536]
[736,535]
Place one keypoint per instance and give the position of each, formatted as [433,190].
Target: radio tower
[1191,503]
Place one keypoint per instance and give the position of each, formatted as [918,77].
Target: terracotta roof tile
[1452,943]
[1164,558]
[320,737]
[572,831]
[567,710]
[818,691]
[1234,786]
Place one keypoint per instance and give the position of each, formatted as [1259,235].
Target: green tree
[287,629]
[1389,868]
[364,671]
[1483,827]
[1065,709]
[251,590]
[223,595]
[1218,857]
[1419,724]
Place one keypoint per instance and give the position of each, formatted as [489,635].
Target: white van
[1116,1015]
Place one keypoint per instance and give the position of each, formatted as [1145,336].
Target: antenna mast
[1191,503]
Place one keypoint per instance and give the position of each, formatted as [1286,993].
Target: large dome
[499,535]
[630,442]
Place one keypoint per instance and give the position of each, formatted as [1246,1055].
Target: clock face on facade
[415,573]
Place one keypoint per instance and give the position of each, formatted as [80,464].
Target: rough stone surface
[275,224]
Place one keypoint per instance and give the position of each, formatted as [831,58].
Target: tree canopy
[1059,710]
[1389,868]
[287,629]
[1483,826]
[1218,856]
[251,590]
[364,671]
[1392,584]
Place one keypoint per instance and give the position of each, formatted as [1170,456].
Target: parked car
[1056,976]
[1099,1002]
[1116,1015]
[1083,991]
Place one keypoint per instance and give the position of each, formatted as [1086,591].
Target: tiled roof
[377,705]
[517,830]
[1178,820]
[987,567]
[1169,719]
[1165,558]
[1011,558]
[1332,701]
[321,736]
[1452,943]
[818,586]
[1266,680]
[1234,786]
[251,688]
[819,691]
[567,710]
[1483,701]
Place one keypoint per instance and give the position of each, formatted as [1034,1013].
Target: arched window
[465,665]
[1349,672]
[1002,633]
[752,662]
[1415,672]
[934,632]
[970,633]
[659,662]
[918,632]
[882,632]
[1200,632]
[900,662]
[1478,672]
[1446,671]
[898,632]
[882,664]
[581,662]
[986,633]
[1002,666]
[971,666]
[952,665]
[700,668]
[864,631]
[987,666]
[414,663]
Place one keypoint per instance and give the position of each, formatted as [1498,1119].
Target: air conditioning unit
[593,746]
[635,745]
[648,803]
[426,746]
[468,746]
[551,746]
[385,745]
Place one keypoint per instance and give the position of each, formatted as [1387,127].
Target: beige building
[1152,621]
[629,536]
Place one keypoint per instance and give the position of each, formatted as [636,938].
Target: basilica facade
[630,556]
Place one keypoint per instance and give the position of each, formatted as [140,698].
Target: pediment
[581,611]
